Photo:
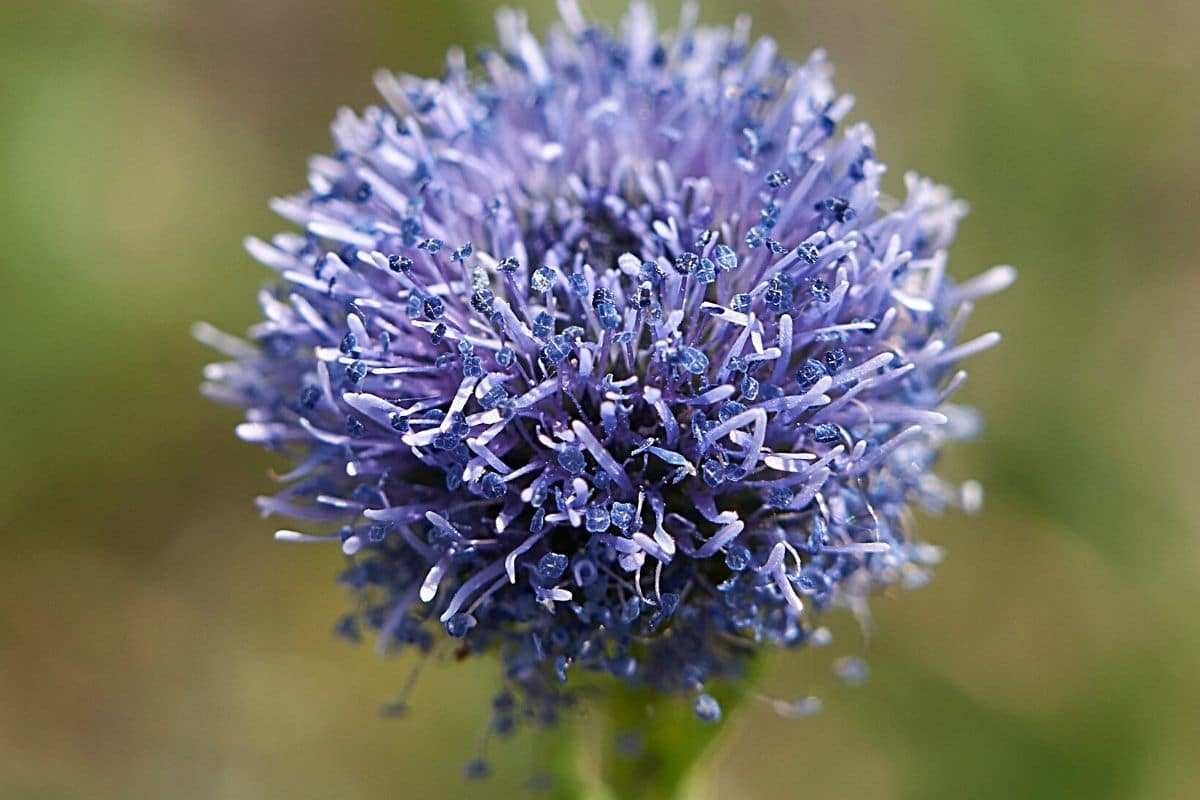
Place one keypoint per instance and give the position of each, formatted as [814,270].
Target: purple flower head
[607,354]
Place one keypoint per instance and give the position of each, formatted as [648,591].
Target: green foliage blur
[155,642]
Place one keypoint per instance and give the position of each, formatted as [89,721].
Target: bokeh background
[154,641]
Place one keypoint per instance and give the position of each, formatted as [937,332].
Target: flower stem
[656,747]
[653,746]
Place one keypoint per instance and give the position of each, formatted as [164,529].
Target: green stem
[653,747]
[563,762]
[656,747]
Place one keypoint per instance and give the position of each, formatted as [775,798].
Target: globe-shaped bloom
[607,354]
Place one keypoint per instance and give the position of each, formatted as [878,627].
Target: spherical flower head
[608,354]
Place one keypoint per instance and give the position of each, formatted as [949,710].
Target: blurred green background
[154,641]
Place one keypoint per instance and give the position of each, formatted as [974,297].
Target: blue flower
[670,388]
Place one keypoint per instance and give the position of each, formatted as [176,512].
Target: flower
[609,355]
